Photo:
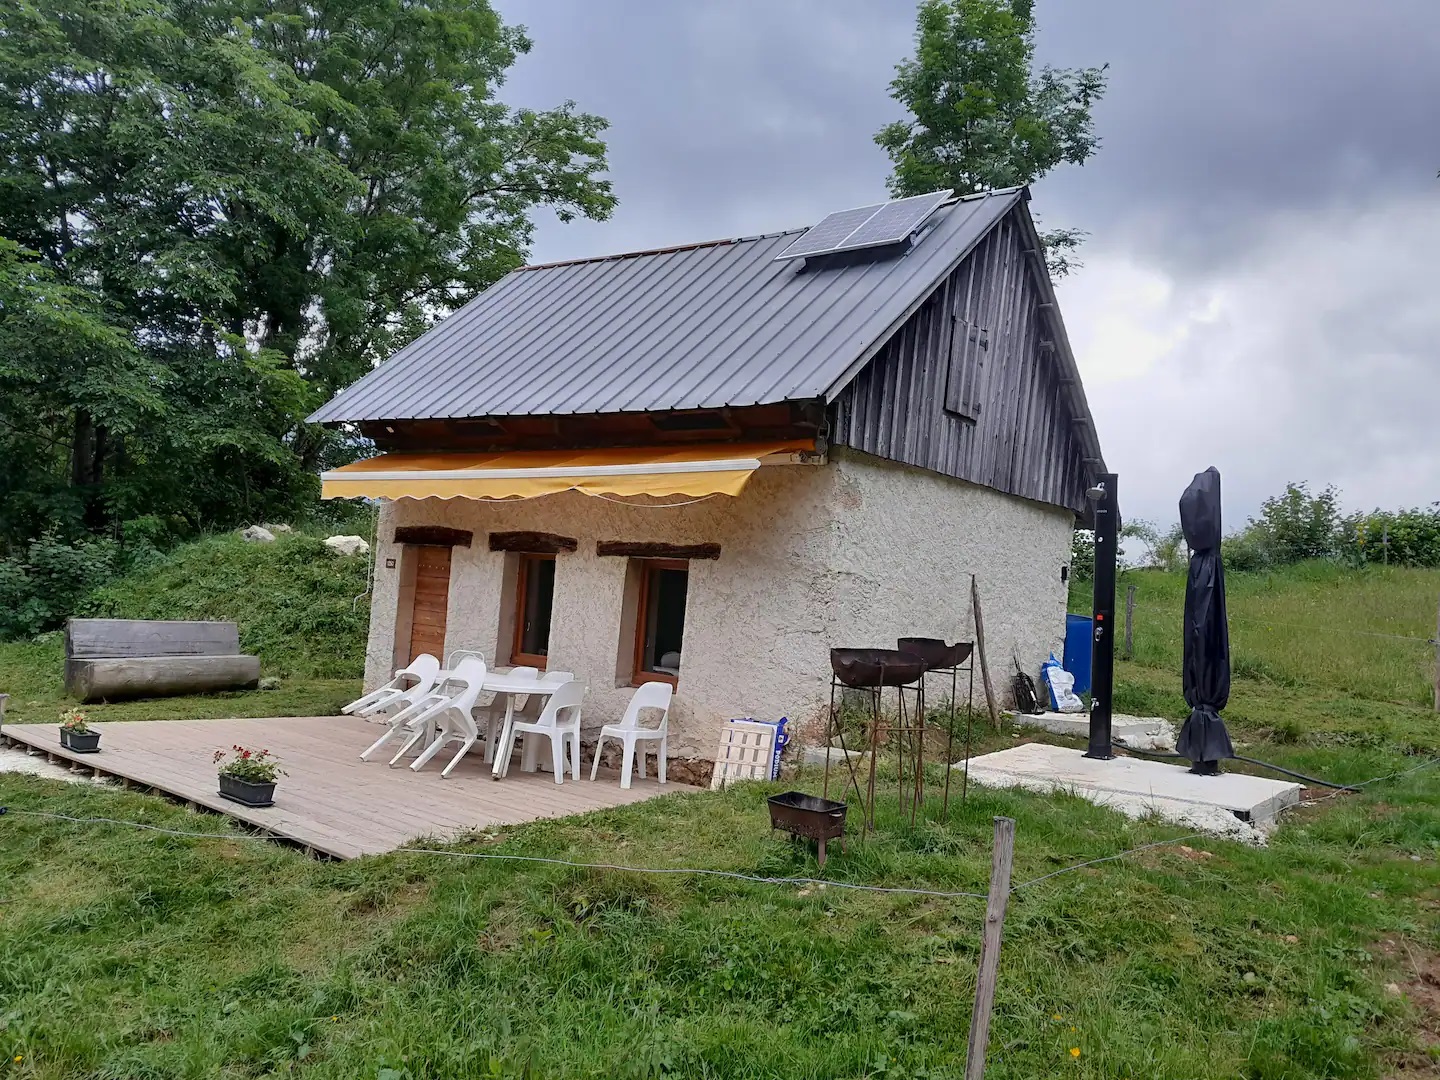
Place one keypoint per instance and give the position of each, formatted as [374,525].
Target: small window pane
[536,603]
[664,619]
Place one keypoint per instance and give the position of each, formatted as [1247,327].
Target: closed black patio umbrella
[1204,739]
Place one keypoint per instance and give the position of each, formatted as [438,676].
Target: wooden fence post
[1001,858]
[984,662]
[1437,659]
[1129,620]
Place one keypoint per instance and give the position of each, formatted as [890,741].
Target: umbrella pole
[1102,657]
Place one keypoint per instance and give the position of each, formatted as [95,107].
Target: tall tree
[258,200]
[981,115]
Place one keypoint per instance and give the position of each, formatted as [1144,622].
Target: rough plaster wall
[754,625]
[384,595]
[855,553]
[907,541]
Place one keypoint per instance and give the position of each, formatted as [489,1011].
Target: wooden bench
[112,659]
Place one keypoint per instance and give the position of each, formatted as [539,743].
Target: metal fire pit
[809,816]
[862,668]
[935,652]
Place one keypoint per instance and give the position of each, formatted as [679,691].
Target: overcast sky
[1260,283]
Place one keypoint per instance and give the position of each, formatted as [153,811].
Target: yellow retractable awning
[695,470]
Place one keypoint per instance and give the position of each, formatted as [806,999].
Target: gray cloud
[1262,211]
[1221,115]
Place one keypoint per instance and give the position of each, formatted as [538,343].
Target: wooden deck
[330,801]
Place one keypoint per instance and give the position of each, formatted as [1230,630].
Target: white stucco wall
[906,541]
[856,552]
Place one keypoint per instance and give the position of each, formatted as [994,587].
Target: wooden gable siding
[980,345]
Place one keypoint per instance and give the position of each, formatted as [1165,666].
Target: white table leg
[498,767]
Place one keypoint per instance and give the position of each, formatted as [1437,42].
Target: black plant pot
[87,742]
[245,792]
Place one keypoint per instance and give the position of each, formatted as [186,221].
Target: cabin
[710,464]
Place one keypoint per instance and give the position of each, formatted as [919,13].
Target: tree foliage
[214,213]
[981,115]
[1299,525]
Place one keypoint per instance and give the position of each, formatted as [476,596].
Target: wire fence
[895,890]
[1000,891]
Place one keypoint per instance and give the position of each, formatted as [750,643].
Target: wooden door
[432,594]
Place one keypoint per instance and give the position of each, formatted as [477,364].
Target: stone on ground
[257,534]
[347,545]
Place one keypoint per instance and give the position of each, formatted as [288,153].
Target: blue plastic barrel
[1079,640]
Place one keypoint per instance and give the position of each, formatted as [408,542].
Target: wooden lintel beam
[433,536]
[537,543]
[643,550]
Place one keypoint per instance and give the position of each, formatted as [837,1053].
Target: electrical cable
[649,506]
[1292,773]
[1248,761]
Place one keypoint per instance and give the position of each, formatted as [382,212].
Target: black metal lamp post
[1102,655]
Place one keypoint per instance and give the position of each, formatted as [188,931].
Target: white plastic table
[512,687]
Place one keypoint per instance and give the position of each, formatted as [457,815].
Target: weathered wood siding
[969,386]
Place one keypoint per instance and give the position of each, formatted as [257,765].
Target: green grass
[1319,653]
[127,954]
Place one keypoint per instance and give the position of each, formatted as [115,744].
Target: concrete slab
[816,755]
[1141,732]
[1232,803]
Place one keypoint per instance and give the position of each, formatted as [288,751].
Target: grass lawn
[134,954]
[33,676]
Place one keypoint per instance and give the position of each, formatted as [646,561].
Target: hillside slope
[1320,653]
[300,607]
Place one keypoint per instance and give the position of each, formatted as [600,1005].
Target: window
[534,600]
[660,619]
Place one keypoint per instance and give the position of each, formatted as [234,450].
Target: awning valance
[694,470]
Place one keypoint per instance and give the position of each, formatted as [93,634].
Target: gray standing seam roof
[696,327]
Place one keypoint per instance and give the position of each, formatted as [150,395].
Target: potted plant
[75,733]
[248,776]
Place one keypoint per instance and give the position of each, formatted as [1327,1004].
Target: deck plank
[329,799]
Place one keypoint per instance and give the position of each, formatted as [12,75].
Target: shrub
[39,591]
[1297,525]
[1407,537]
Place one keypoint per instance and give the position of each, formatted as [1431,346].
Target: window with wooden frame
[660,619]
[534,602]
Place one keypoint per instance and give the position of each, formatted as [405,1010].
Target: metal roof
[703,326]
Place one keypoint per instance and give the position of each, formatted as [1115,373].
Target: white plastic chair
[450,721]
[560,723]
[453,660]
[494,712]
[629,732]
[401,708]
[528,758]
[421,716]
[418,676]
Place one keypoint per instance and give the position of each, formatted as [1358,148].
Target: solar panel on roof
[895,221]
[830,232]
[866,226]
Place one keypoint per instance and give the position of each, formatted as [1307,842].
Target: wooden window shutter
[965,376]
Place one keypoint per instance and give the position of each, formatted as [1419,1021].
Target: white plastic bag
[1061,685]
